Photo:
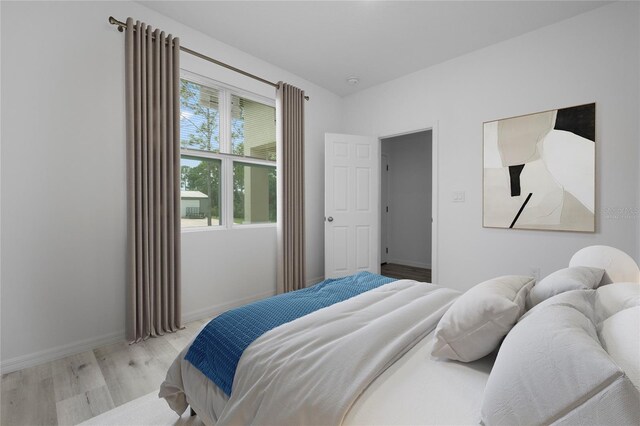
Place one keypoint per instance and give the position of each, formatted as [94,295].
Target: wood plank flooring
[394,270]
[71,390]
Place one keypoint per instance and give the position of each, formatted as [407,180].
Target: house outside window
[227,156]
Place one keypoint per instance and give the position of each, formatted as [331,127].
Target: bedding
[582,300]
[186,386]
[619,266]
[552,368]
[572,363]
[344,346]
[478,320]
[219,346]
[620,337]
[611,298]
[417,389]
[330,356]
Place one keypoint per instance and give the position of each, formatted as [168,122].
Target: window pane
[253,129]
[199,192]
[199,117]
[254,193]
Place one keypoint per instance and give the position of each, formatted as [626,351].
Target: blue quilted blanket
[219,346]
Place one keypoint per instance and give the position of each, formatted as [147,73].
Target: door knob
[330,219]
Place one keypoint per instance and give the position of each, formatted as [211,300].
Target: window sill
[226,228]
[254,226]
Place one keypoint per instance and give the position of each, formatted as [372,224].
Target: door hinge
[387,209]
[387,250]
[387,167]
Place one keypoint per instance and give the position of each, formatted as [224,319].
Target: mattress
[416,389]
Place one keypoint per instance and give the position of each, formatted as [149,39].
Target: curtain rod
[121,26]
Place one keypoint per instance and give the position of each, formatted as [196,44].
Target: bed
[295,373]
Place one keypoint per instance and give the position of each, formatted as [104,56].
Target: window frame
[227,160]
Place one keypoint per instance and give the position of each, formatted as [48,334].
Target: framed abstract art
[539,170]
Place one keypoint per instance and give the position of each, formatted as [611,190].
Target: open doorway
[406,203]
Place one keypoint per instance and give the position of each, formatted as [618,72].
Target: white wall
[63,181]
[409,199]
[592,57]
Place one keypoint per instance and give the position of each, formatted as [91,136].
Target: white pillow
[612,298]
[620,337]
[551,369]
[478,320]
[582,300]
[572,278]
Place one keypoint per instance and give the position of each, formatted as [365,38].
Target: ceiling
[326,42]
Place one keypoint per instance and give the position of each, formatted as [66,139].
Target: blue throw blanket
[219,346]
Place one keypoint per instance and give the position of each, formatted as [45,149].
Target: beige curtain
[290,159]
[153,177]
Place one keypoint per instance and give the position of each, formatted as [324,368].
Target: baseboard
[221,307]
[410,263]
[48,355]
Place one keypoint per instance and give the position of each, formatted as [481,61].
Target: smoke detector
[353,81]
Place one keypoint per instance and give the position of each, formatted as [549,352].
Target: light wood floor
[407,272]
[76,388]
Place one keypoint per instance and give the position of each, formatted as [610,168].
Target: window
[199,191]
[228,153]
[253,131]
[199,117]
[254,193]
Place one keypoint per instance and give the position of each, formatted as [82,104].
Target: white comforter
[312,370]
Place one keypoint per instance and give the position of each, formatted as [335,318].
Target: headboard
[618,265]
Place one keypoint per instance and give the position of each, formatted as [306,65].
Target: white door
[352,203]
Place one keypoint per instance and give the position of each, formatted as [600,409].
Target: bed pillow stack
[478,320]
[613,298]
[622,344]
[569,362]
[572,278]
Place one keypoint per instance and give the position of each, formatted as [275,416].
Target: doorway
[406,180]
